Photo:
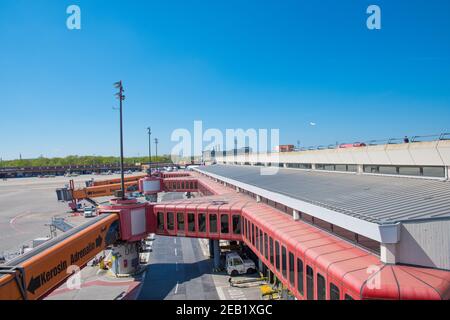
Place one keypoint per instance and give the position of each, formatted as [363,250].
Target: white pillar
[360,168]
[216,254]
[388,252]
[258,198]
[237,189]
[260,264]
[285,165]
[313,166]
[296,215]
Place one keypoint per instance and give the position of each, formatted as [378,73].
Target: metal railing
[412,139]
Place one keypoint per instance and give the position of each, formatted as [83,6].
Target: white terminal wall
[433,153]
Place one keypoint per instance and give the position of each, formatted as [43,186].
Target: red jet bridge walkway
[310,262]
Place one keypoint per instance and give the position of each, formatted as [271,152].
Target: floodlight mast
[119,95]
[156,147]
[149,130]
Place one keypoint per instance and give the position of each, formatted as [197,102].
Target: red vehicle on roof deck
[352,145]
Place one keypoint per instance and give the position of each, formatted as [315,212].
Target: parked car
[352,145]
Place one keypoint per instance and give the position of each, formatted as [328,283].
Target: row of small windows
[299,165]
[295,271]
[273,164]
[174,185]
[201,225]
[438,172]
[337,167]
[424,171]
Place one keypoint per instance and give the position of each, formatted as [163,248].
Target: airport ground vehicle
[147,244]
[90,212]
[134,195]
[71,174]
[236,265]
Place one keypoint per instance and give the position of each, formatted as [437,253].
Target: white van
[236,265]
[90,212]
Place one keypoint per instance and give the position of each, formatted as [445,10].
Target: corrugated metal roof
[379,199]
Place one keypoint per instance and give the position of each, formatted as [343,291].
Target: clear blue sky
[231,64]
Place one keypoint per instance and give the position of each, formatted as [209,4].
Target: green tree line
[79,160]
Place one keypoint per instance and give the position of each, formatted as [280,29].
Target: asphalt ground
[28,204]
[178,270]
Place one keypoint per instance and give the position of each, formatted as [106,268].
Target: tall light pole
[150,149]
[121,97]
[156,147]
